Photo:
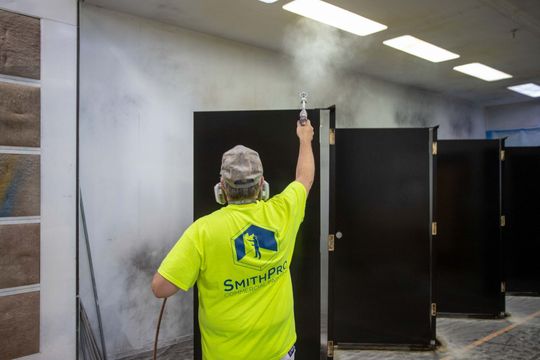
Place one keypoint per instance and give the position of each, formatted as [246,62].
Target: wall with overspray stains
[140,83]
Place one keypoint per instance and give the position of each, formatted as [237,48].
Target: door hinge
[330,351]
[502,155]
[503,220]
[331,239]
[434,228]
[434,148]
[503,286]
[433,309]
[332,137]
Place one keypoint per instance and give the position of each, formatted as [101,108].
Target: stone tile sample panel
[19,45]
[19,115]
[19,259]
[19,325]
[19,185]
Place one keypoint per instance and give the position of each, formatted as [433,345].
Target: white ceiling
[478,30]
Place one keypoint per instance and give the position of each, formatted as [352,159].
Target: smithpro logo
[254,247]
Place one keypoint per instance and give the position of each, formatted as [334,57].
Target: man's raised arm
[305,167]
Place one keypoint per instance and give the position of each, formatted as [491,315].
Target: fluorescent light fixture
[269,1]
[529,89]
[334,16]
[482,71]
[420,48]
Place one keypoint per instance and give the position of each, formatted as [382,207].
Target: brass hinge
[331,239]
[434,228]
[503,286]
[330,351]
[503,220]
[332,137]
[434,148]
[433,309]
[502,155]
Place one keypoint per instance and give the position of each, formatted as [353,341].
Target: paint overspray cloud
[323,58]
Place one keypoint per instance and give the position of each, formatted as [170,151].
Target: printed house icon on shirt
[254,247]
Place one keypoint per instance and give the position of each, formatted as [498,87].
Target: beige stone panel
[19,185]
[19,115]
[19,255]
[19,325]
[20,45]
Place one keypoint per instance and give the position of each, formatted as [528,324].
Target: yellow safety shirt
[240,257]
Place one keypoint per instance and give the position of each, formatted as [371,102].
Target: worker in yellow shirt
[240,257]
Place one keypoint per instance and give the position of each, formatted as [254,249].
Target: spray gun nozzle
[303,112]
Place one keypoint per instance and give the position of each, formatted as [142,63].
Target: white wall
[140,83]
[518,123]
[58,172]
[63,11]
[514,116]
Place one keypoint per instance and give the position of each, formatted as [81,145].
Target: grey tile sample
[20,45]
[19,115]
[19,325]
[19,185]
[19,255]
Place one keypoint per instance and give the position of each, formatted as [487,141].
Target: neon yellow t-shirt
[240,257]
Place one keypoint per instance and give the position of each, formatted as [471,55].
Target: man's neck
[243,202]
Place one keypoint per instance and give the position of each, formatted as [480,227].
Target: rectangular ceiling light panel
[420,48]
[334,16]
[482,71]
[529,89]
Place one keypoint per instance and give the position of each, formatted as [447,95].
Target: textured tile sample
[19,185]
[19,115]
[19,255]
[19,45]
[19,325]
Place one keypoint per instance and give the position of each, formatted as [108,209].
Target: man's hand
[304,132]
[305,168]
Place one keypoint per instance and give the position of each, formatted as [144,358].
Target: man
[240,257]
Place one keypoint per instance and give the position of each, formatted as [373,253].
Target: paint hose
[157,328]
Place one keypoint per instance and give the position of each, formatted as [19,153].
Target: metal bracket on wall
[434,148]
[434,228]
[332,137]
[331,240]
[433,309]
[503,221]
[502,155]
[330,352]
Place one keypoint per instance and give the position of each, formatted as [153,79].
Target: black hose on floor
[157,328]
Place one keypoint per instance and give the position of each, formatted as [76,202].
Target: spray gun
[303,112]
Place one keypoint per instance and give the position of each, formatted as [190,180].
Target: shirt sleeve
[182,264]
[292,201]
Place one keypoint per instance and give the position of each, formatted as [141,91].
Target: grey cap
[241,167]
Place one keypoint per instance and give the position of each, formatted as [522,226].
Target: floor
[477,339]
[514,338]
[180,351]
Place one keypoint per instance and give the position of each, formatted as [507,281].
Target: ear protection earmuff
[219,194]
[264,194]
